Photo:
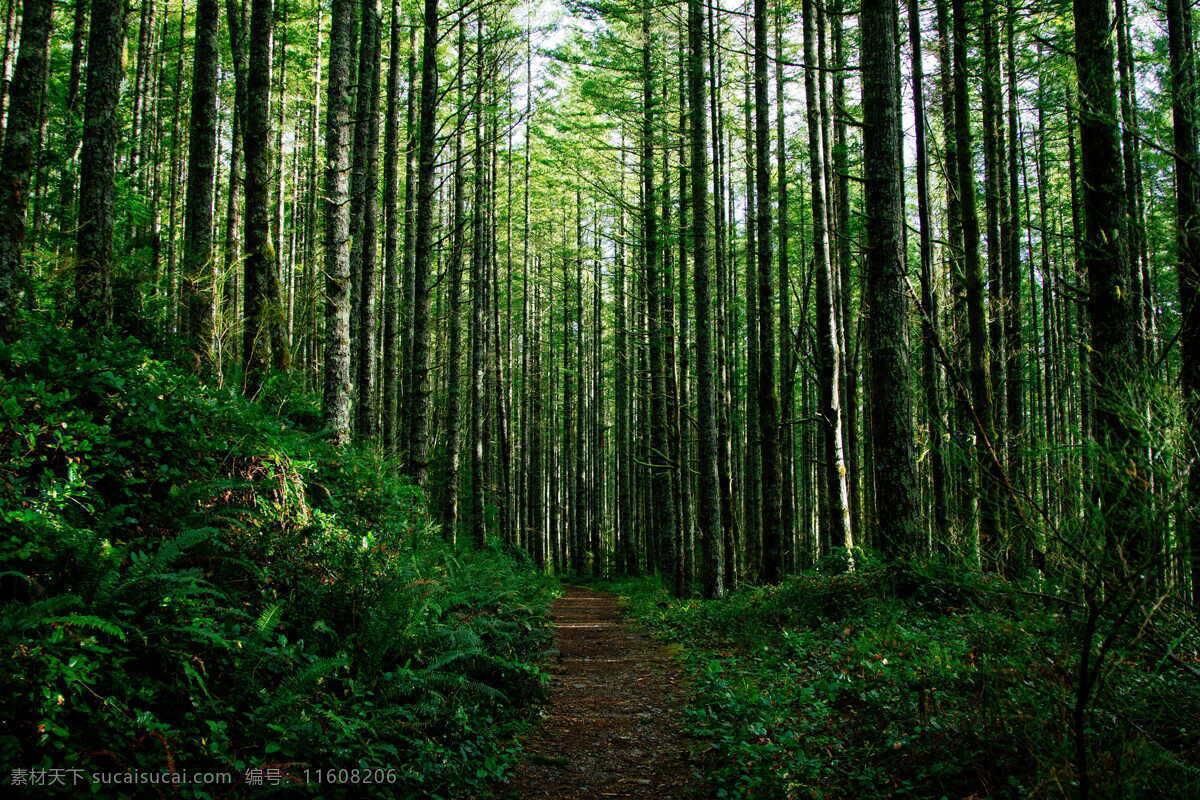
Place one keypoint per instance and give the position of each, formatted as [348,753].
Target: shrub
[920,681]
[191,583]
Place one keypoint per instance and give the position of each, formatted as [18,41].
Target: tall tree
[364,208]
[1184,100]
[450,477]
[787,366]
[977,404]
[336,208]
[1103,256]
[836,521]
[198,264]
[479,300]
[418,390]
[889,398]
[708,520]
[260,250]
[16,159]
[101,126]
[1014,369]
[623,516]
[391,237]
[929,373]
[768,405]
[663,521]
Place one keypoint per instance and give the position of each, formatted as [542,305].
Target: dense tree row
[715,291]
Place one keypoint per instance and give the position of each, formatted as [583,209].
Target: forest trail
[614,727]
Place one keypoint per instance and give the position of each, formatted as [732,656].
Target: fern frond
[269,620]
[88,622]
[449,658]
[299,686]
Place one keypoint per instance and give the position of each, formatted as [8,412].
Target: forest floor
[614,723]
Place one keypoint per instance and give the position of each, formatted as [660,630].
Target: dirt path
[614,725]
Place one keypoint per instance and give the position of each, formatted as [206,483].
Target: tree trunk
[260,251]
[1111,307]
[418,403]
[391,229]
[16,160]
[767,400]
[980,409]
[836,524]
[67,188]
[407,301]
[787,366]
[929,374]
[664,513]
[623,522]
[449,488]
[889,400]
[363,248]
[752,451]
[1019,544]
[1184,100]
[336,209]
[101,127]
[479,302]
[708,518]
[198,272]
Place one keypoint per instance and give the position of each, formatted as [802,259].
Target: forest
[600,398]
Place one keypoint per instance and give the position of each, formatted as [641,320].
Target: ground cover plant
[923,682]
[191,581]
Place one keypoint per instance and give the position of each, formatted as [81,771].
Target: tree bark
[260,251]
[766,397]
[1104,258]
[16,159]
[418,403]
[391,228]
[479,302]
[929,374]
[1184,100]
[663,521]
[787,365]
[101,127]
[829,357]
[708,518]
[364,247]
[336,211]
[980,399]
[450,469]
[889,399]
[199,275]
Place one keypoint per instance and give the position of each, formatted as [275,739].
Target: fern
[459,683]
[88,622]
[23,617]
[449,658]
[201,633]
[461,638]
[269,620]
[146,565]
[195,677]
[301,685]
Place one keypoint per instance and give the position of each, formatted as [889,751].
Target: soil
[614,723]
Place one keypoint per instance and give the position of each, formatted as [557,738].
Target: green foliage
[190,583]
[920,681]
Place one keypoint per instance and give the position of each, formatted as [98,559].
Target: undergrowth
[191,581]
[919,681]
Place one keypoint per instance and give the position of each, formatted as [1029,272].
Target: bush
[191,583]
[919,681]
